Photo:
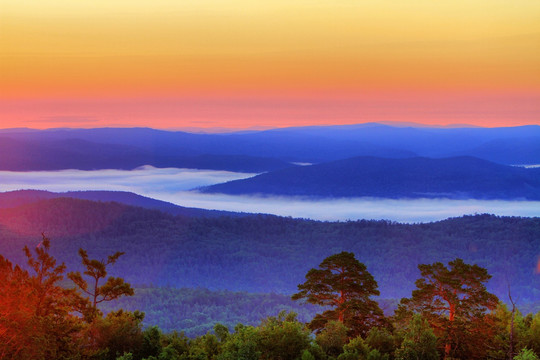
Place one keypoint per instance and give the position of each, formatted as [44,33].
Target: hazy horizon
[225,129]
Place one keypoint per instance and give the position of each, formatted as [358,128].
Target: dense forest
[449,315]
[219,287]
[196,310]
[264,254]
[11,199]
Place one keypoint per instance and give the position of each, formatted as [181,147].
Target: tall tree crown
[454,300]
[339,277]
[97,270]
[342,282]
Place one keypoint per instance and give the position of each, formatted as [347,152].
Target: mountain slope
[295,145]
[312,144]
[23,197]
[269,253]
[34,154]
[458,177]
[521,141]
[516,151]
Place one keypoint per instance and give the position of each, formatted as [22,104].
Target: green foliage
[526,354]
[196,311]
[501,340]
[454,301]
[151,342]
[221,331]
[283,337]
[169,353]
[332,338]
[204,347]
[500,344]
[126,356]
[118,333]
[532,336]
[306,355]
[178,341]
[355,349]
[37,321]
[345,285]
[317,351]
[243,344]
[419,342]
[376,355]
[382,340]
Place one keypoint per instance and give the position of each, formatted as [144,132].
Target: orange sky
[239,63]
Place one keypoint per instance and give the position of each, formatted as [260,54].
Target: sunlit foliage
[343,284]
[39,318]
[42,320]
[454,301]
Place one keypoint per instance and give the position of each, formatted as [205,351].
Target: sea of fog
[173,185]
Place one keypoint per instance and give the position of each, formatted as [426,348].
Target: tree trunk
[451,316]
[511,348]
[341,301]
[96,293]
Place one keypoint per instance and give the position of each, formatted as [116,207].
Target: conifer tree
[454,301]
[344,284]
[36,313]
[97,270]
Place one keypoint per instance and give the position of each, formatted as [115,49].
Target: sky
[268,63]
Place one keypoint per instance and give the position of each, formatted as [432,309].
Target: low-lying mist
[401,210]
[172,185]
[140,181]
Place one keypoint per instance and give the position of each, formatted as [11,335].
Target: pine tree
[97,270]
[343,283]
[454,300]
[37,318]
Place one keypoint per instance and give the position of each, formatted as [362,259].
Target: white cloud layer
[172,184]
[140,181]
[402,210]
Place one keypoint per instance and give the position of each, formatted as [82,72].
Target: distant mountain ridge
[36,154]
[258,151]
[454,178]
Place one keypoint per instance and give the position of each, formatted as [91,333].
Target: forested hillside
[195,311]
[22,197]
[40,319]
[272,254]
[455,178]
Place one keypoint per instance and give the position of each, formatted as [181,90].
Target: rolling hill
[454,178]
[266,253]
[12,199]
